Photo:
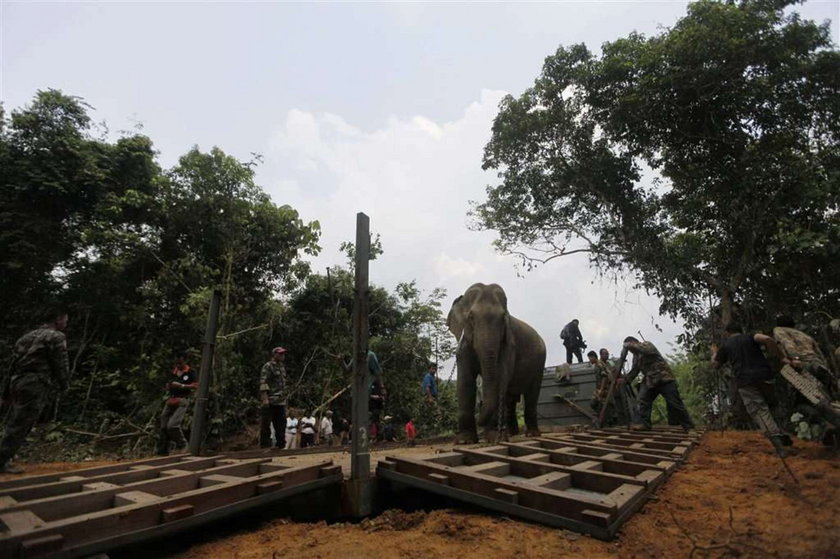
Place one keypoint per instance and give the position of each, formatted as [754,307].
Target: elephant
[508,354]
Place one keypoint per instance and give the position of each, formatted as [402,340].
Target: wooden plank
[539,498]
[197,520]
[623,445]
[112,523]
[85,472]
[497,469]
[20,521]
[581,478]
[176,513]
[132,497]
[36,547]
[589,449]
[64,506]
[507,495]
[129,475]
[217,479]
[552,480]
[644,435]
[534,515]
[269,487]
[621,441]
[609,463]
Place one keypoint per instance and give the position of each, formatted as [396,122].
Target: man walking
[272,399]
[182,384]
[753,376]
[39,368]
[659,379]
[573,340]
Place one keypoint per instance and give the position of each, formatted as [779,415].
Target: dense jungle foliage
[133,252]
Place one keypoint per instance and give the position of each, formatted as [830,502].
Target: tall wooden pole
[360,482]
[200,410]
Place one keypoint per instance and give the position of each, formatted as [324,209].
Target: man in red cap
[273,399]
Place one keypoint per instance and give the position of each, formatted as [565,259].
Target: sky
[355,107]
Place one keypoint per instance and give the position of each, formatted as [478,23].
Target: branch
[243,331]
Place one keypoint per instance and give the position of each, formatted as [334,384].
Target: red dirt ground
[732,471]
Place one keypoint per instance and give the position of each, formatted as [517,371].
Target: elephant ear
[456,317]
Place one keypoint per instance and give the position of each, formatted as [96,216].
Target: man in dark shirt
[182,383]
[753,376]
[573,340]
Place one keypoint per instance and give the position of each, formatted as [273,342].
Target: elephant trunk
[492,386]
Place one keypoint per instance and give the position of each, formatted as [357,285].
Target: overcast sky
[381,108]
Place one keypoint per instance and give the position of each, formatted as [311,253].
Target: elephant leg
[532,396]
[467,370]
[512,423]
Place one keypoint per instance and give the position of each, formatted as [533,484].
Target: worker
[753,376]
[573,340]
[804,353]
[326,429]
[604,378]
[182,383]
[272,399]
[39,369]
[659,379]
[429,385]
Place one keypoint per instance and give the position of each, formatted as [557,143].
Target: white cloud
[447,267]
[414,178]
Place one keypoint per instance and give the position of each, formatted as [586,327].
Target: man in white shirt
[327,429]
[307,430]
[291,431]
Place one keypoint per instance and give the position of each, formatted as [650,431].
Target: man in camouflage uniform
[658,380]
[39,367]
[273,399]
[602,382]
[804,353]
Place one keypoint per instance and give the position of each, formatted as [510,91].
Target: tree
[704,160]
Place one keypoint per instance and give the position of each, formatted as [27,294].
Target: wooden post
[360,485]
[200,409]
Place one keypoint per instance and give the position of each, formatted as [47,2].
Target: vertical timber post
[200,409]
[360,483]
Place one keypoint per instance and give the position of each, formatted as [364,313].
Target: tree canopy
[133,251]
[703,160]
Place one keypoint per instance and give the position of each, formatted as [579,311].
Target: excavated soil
[733,498]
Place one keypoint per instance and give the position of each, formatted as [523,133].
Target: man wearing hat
[272,399]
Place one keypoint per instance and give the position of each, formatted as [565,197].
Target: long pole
[200,409]
[360,448]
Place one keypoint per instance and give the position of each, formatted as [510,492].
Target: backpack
[564,333]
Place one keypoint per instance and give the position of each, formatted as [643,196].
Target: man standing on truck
[573,340]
